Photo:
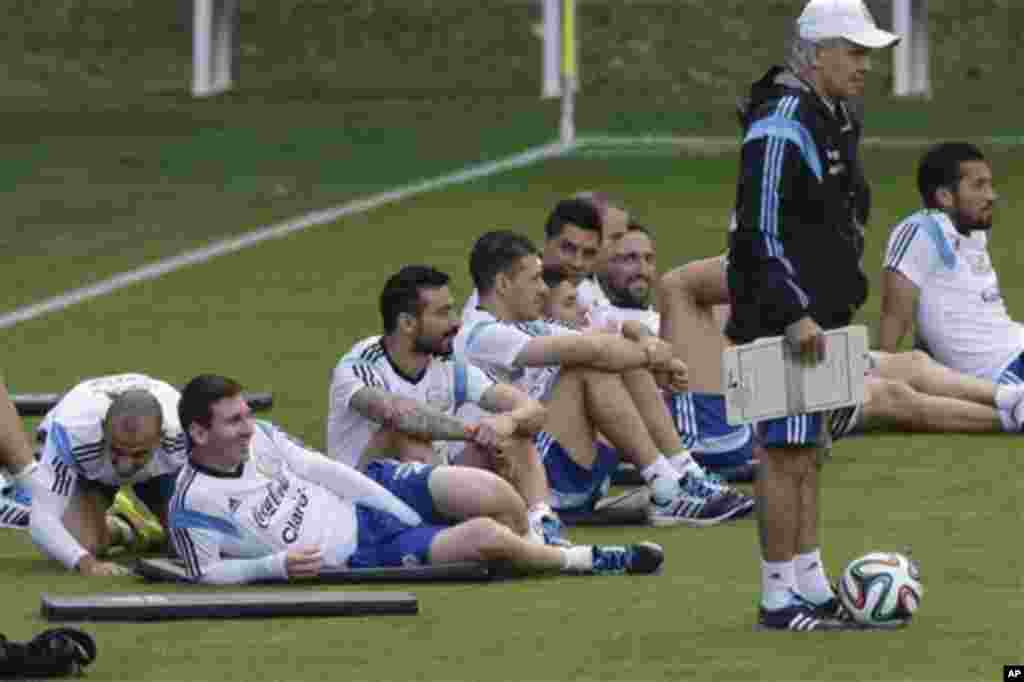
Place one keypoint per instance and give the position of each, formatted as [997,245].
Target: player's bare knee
[488,538]
[901,402]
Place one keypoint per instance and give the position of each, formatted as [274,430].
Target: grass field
[279,315]
[108,165]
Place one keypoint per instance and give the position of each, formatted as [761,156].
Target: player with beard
[393,405]
[628,280]
[938,276]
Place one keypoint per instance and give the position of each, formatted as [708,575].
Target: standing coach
[795,247]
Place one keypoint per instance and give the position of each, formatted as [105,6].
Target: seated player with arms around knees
[938,276]
[104,433]
[393,406]
[628,281]
[252,504]
[903,391]
[590,383]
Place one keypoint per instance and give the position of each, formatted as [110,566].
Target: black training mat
[605,517]
[248,604]
[38,404]
[172,570]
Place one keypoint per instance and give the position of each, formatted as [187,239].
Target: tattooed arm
[408,416]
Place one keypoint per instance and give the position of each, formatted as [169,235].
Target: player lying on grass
[392,415]
[905,391]
[105,433]
[938,276]
[251,504]
[589,383]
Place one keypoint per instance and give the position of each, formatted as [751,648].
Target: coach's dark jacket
[796,241]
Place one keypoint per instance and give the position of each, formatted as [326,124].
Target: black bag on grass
[53,653]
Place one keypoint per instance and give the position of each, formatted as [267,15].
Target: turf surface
[279,315]
[107,165]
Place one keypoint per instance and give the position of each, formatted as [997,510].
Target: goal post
[214,39]
[911,76]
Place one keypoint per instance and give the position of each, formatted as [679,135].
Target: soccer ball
[881,587]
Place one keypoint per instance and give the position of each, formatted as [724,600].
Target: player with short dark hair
[396,413]
[589,383]
[253,504]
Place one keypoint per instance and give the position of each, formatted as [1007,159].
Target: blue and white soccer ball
[881,588]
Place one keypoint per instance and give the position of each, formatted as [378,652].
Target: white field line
[276,231]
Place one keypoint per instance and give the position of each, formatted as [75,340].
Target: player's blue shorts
[409,482]
[574,488]
[383,540]
[701,423]
[1014,374]
[802,430]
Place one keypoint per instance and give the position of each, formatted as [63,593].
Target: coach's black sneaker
[800,615]
[642,558]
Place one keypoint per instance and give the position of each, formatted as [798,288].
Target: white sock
[778,582]
[25,474]
[1007,396]
[539,511]
[578,559]
[662,478]
[684,463]
[1006,419]
[811,580]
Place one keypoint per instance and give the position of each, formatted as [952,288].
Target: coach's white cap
[849,19]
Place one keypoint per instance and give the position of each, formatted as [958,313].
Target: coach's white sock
[811,580]
[662,478]
[778,583]
[578,559]
[684,463]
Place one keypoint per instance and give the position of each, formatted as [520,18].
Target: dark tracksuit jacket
[796,241]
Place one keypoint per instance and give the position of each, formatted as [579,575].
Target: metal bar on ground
[221,605]
[172,570]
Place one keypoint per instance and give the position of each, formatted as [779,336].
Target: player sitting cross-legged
[252,504]
[589,383]
[393,406]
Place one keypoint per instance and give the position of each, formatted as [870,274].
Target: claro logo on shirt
[291,529]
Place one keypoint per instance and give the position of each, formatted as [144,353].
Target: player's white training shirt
[445,385]
[238,527]
[961,317]
[611,317]
[74,448]
[493,345]
[588,295]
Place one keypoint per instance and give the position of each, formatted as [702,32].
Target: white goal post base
[910,58]
[214,39]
